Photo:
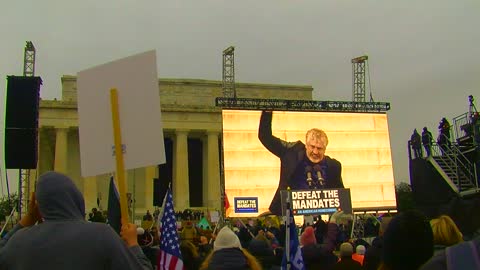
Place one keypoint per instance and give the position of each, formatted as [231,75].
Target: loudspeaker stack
[21,122]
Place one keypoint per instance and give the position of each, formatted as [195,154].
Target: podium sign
[317,201]
[246,204]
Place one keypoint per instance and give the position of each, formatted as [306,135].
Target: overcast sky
[424,56]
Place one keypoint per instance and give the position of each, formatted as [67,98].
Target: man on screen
[303,166]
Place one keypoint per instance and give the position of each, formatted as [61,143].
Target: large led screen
[359,141]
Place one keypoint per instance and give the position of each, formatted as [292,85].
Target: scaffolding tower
[359,79]
[228,78]
[24,174]
[29,60]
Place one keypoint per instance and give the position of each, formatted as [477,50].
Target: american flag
[169,257]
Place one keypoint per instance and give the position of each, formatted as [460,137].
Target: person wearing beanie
[346,262]
[308,237]
[359,254]
[226,238]
[229,254]
[407,242]
[320,256]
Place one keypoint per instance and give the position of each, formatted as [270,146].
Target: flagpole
[245,226]
[214,230]
[288,223]
[160,215]
[134,198]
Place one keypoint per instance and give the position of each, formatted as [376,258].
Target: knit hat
[346,250]
[360,250]
[408,241]
[226,238]
[308,236]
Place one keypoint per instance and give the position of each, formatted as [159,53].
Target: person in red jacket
[359,254]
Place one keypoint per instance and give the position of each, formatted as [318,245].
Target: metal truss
[29,60]
[358,74]
[24,174]
[228,78]
[361,215]
[358,226]
[23,191]
[301,105]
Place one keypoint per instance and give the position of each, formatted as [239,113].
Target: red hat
[308,236]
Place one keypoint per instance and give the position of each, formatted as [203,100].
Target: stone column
[213,171]
[150,173]
[61,151]
[46,150]
[90,193]
[181,194]
[37,172]
[42,145]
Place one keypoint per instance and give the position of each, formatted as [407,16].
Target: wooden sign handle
[120,166]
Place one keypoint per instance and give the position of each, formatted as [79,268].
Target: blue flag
[114,214]
[296,258]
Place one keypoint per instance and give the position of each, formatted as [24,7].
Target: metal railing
[455,164]
[459,124]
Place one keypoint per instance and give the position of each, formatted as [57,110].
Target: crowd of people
[426,139]
[97,216]
[406,241]
[55,234]
[189,214]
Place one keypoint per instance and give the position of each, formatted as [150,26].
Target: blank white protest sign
[135,78]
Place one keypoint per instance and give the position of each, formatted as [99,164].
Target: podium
[317,201]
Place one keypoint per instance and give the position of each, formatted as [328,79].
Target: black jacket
[373,255]
[228,259]
[291,154]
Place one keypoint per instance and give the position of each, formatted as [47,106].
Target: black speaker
[21,122]
[160,188]
[23,95]
[21,148]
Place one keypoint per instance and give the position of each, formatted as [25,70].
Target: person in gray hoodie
[63,239]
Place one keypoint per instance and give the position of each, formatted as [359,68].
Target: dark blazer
[291,154]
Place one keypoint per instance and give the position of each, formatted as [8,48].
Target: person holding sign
[303,166]
[63,239]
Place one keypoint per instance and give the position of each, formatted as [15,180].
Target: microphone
[308,171]
[318,171]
